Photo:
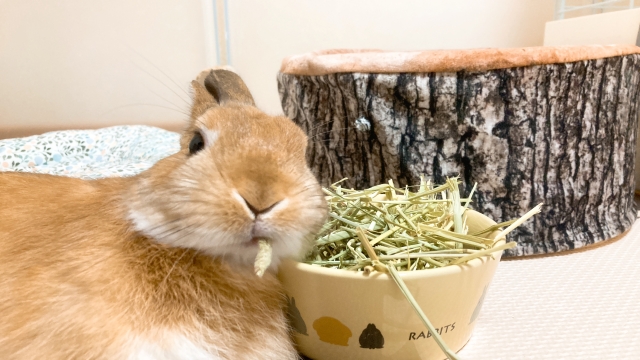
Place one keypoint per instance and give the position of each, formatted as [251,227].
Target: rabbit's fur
[159,265]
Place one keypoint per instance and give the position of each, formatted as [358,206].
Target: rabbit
[160,265]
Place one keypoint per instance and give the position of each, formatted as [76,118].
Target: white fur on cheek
[147,221]
[210,136]
[214,239]
[273,212]
[153,223]
[242,202]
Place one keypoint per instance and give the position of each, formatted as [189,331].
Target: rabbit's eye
[196,144]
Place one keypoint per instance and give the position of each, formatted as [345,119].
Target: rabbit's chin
[219,243]
[244,254]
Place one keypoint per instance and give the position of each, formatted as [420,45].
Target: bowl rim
[425,273]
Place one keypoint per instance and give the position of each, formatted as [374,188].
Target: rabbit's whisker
[163,73]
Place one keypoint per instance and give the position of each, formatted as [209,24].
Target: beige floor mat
[583,305]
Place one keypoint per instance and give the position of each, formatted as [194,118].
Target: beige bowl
[340,314]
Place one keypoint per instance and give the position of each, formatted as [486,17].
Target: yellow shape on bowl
[332,331]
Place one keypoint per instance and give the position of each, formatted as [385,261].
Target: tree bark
[562,134]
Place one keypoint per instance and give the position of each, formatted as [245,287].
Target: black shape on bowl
[371,338]
[295,317]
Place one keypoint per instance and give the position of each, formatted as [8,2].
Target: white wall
[81,63]
[76,63]
[619,27]
[262,33]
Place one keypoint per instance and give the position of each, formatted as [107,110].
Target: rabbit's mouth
[252,242]
[261,229]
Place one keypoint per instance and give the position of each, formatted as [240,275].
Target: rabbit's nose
[256,211]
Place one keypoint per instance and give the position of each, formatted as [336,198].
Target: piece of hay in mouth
[263,259]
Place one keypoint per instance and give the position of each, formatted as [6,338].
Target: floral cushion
[91,154]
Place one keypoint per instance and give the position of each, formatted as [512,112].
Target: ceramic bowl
[341,314]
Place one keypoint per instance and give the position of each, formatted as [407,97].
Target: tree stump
[563,134]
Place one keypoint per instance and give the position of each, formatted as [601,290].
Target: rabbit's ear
[215,87]
[202,99]
[226,86]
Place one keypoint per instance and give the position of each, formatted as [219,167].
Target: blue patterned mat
[91,154]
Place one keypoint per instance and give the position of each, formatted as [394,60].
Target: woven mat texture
[583,305]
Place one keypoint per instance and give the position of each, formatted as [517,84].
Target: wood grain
[563,134]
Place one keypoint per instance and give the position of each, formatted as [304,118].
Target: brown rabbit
[159,265]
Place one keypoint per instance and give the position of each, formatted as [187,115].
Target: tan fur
[451,60]
[81,279]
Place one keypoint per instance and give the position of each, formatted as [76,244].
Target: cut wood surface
[332,61]
[562,134]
